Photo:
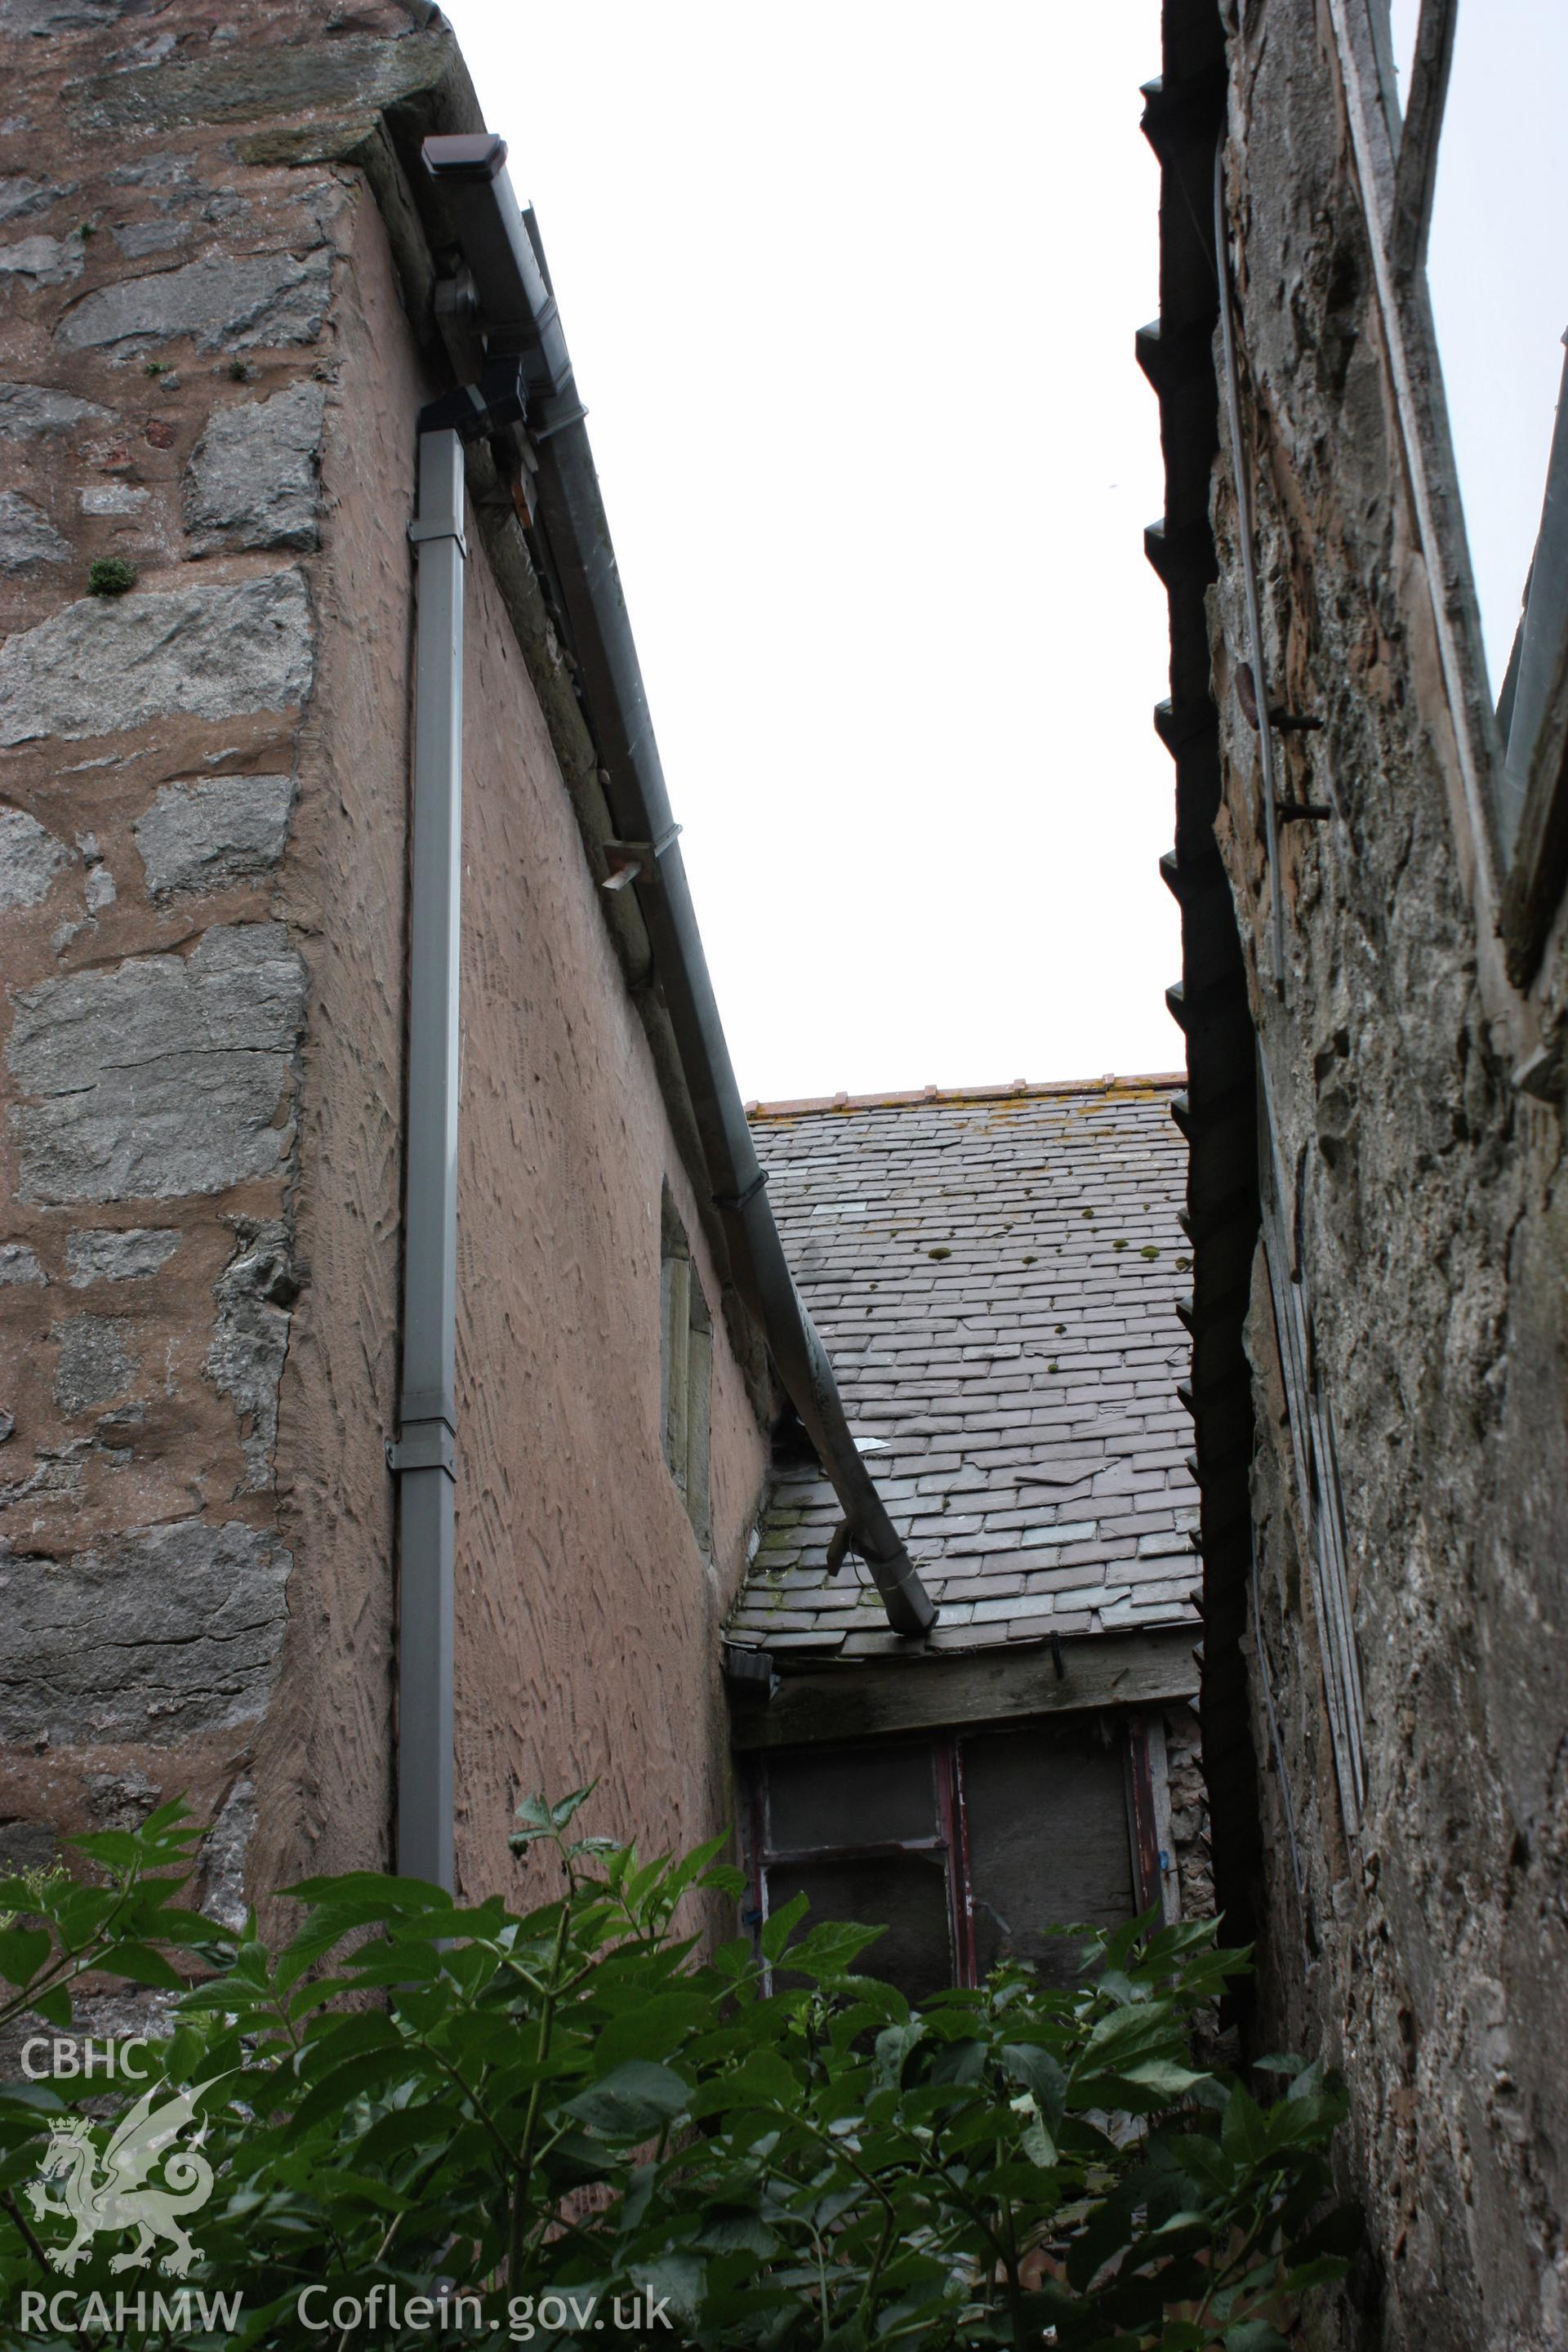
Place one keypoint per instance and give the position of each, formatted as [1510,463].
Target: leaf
[1244,2133]
[139,1964]
[736,2228]
[893,2046]
[776,1929]
[115,1849]
[655,2028]
[359,1896]
[1324,2270]
[175,1814]
[369,2071]
[1105,2234]
[404,1960]
[691,1866]
[1127,2037]
[832,1947]
[764,2078]
[676,2280]
[1162,2074]
[559,1814]
[960,2062]
[401,2128]
[334,2038]
[1040,2074]
[22,1952]
[533,1813]
[632,2101]
[1254,2335]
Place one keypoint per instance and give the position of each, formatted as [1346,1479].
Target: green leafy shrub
[558,2110]
[109,576]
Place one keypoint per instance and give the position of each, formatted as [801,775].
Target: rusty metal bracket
[628,859]
[1286,723]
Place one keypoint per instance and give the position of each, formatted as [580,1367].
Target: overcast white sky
[1497,266]
[851,291]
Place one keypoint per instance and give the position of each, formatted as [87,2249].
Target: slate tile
[950,1364]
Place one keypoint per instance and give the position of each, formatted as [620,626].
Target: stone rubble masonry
[253,478]
[211,358]
[164,1075]
[157,951]
[106,664]
[220,1889]
[37,411]
[222,304]
[131,1255]
[113,499]
[163,1632]
[250,1338]
[20,195]
[26,537]
[96,1365]
[200,836]
[1189,1813]
[44,260]
[1417,1104]
[30,857]
[42,17]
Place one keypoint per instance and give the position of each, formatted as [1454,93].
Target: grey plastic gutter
[421,1458]
[518,316]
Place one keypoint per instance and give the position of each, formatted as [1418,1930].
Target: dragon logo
[110,2192]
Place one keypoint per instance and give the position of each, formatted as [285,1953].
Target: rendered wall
[1427,1951]
[210,370]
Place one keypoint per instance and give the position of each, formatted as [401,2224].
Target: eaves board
[1185,120]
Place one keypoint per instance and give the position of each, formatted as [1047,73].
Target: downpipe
[517,310]
[423,1457]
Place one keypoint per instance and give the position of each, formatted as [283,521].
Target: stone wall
[212,350]
[1189,1814]
[1417,1112]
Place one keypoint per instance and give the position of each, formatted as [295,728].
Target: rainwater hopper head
[517,310]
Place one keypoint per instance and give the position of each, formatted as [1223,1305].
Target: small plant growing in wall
[577,2120]
[111,575]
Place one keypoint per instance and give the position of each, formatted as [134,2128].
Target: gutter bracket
[735,1202]
[633,860]
[537,433]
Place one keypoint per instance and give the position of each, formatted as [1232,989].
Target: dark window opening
[687,1361]
[967,1847]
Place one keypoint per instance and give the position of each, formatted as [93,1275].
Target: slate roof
[995,1275]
